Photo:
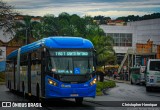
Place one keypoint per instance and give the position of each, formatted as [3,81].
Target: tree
[104,49]
[24,29]
[7,17]
[73,25]
[102,43]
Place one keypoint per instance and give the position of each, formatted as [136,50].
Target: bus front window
[71,65]
[155,66]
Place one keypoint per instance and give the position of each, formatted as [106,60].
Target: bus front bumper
[57,92]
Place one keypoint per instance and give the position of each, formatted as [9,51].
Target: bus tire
[37,92]
[148,89]
[79,100]
[23,89]
[9,85]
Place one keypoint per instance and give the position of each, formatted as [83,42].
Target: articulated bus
[53,67]
[152,74]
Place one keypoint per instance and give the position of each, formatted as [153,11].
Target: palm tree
[24,28]
[104,49]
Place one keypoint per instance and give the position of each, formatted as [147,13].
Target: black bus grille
[74,78]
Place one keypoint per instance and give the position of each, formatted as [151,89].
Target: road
[122,92]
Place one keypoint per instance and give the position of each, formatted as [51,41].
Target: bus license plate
[73,95]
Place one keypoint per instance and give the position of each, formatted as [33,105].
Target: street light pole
[26,37]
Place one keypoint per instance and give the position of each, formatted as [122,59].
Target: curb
[119,81]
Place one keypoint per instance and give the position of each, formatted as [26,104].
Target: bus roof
[55,42]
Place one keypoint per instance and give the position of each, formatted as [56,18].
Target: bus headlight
[93,82]
[51,82]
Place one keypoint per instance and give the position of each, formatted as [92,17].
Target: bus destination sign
[71,53]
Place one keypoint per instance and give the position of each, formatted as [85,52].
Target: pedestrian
[115,74]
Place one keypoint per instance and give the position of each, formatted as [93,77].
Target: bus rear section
[153,74]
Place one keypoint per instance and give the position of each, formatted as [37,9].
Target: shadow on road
[56,102]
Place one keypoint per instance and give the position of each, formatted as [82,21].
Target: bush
[2,76]
[103,85]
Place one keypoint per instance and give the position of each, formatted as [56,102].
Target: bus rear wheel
[131,81]
[79,100]
[37,92]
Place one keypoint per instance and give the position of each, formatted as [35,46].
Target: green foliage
[25,29]
[102,19]
[137,18]
[104,85]
[104,49]
[2,76]
[70,25]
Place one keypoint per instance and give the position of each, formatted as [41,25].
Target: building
[8,42]
[127,36]
[116,22]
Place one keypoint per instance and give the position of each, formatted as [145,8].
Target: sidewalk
[116,80]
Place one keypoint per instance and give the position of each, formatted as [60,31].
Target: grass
[2,77]
[103,85]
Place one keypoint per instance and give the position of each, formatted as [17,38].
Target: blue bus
[53,67]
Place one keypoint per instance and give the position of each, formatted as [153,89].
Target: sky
[111,8]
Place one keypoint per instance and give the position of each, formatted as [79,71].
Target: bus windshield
[155,66]
[70,65]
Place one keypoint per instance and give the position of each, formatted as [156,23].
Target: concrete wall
[147,29]
[141,32]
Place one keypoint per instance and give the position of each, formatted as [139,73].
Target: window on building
[121,39]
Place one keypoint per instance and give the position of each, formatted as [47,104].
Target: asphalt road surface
[111,100]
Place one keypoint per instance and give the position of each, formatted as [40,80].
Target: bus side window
[36,62]
[9,65]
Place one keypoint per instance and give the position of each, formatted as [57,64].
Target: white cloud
[112,9]
[116,13]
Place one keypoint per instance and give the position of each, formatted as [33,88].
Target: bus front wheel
[79,100]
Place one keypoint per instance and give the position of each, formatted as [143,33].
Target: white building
[134,32]
[4,37]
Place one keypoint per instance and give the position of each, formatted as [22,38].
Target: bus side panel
[26,80]
[10,74]
[36,73]
[23,71]
[35,79]
[17,72]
